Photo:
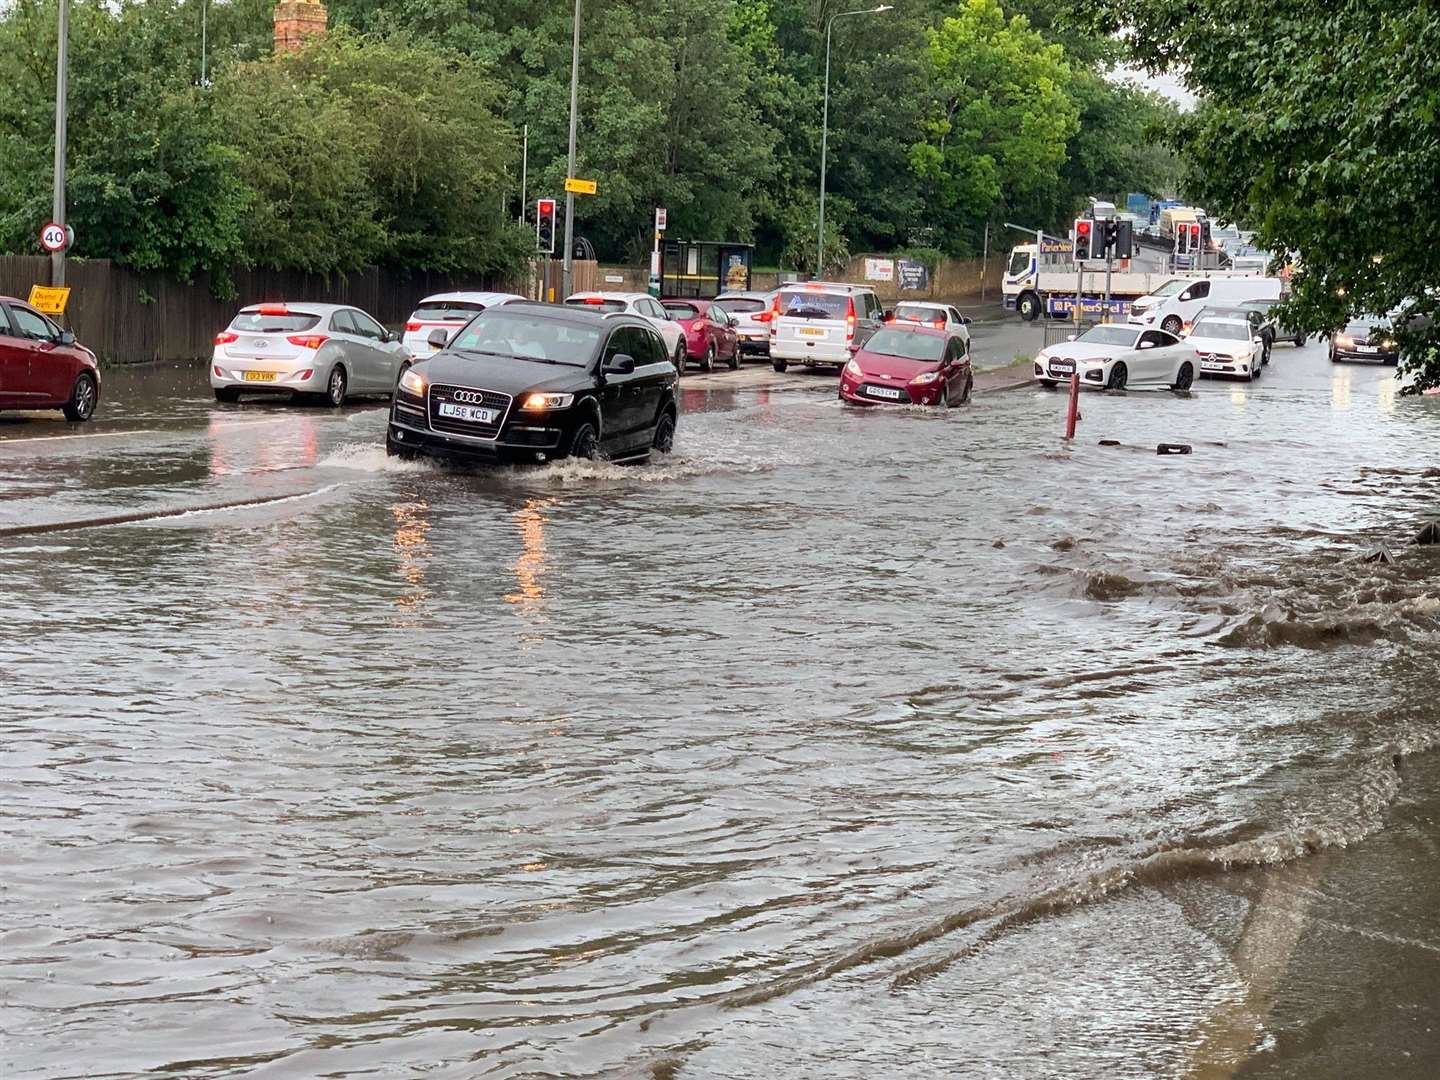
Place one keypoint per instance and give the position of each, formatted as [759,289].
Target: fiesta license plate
[1062,367]
[468,413]
[258,376]
[813,331]
[883,391]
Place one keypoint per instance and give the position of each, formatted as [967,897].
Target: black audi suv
[530,382]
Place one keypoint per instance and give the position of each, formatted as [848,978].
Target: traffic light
[1124,240]
[1205,234]
[1109,232]
[545,226]
[1195,244]
[1182,239]
[1084,239]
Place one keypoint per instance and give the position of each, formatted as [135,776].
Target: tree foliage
[1317,127]
[396,137]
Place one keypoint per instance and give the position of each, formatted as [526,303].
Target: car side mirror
[1069,337]
[959,361]
[965,320]
[438,338]
[1147,344]
[65,338]
[1185,296]
[620,364]
[889,314]
[732,322]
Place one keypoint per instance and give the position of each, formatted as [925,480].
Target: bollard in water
[1072,414]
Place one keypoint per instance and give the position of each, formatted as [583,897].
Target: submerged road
[841,743]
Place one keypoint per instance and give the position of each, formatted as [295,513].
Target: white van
[820,323]
[1174,305]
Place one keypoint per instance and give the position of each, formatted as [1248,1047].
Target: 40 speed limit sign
[54,237]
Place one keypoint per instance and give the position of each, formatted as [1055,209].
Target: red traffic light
[1082,228]
[546,206]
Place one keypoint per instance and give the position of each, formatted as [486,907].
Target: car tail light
[938,323]
[850,320]
[225,337]
[218,372]
[594,300]
[412,326]
[764,316]
[308,341]
[306,374]
[272,309]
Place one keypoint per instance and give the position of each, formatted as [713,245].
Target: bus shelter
[703,269]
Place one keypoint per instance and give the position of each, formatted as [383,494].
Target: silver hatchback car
[325,352]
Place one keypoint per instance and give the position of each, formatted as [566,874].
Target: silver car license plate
[467,412]
[883,391]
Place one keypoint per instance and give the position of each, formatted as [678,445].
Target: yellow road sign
[50,300]
[580,187]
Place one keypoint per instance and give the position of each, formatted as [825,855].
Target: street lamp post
[825,129]
[567,277]
[62,78]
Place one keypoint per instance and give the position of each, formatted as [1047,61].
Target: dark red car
[909,364]
[709,332]
[41,366]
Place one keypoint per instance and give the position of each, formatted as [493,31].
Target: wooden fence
[127,316]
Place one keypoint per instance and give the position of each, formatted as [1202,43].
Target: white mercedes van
[1174,305]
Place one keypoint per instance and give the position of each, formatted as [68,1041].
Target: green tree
[1316,127]
[998,122]
[151,182]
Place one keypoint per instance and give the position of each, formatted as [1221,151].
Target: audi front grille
[485,399]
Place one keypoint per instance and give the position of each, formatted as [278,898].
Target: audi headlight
[1344,341]
[924,377]
[413,382]
[546,402]
[854,370]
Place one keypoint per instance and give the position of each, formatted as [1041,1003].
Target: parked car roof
[486,298]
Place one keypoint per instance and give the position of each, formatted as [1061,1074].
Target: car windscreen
[907,345]
[1019,262]
[253,322]
[1225,331]
[681,311]
[804,304]
[1172,288]
[919,313]
[446,311]
[740,305]
[500,333]
[1360,328]
[595,303]
[1109,335]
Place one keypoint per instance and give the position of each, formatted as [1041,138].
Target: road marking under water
[98,435]
[157,515]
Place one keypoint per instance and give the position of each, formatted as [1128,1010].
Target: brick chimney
[295,20]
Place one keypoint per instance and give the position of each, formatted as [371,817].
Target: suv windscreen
[526,337]
[814,305]
[906,345]
[446,311]
[253,322]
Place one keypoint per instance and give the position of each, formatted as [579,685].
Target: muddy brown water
[841,744]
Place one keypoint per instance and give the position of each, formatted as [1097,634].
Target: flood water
[841,744]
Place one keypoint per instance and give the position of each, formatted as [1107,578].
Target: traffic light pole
[567,279]
[1079,290]
[62,79]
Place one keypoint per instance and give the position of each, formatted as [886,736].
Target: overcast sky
[1168,84]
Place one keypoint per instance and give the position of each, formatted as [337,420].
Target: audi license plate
[1062,367]
[258,376]
[813,331]
[883,391]
[469,413]
[1367,348]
